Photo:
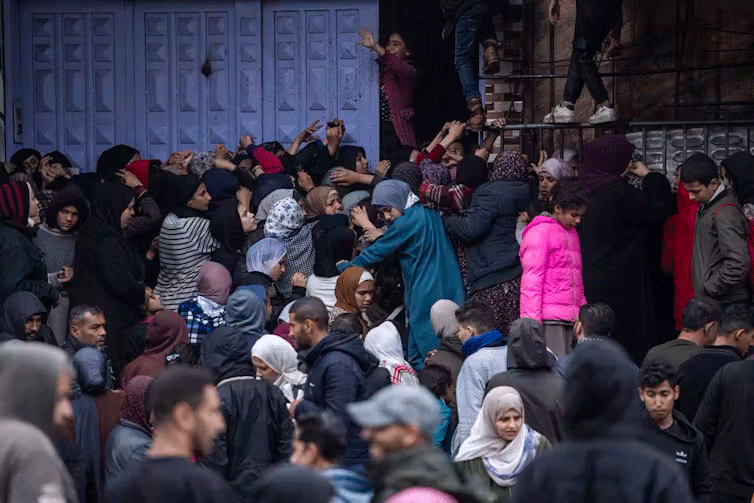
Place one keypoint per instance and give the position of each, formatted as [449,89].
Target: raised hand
[367,39]
[308,134]
[128,178]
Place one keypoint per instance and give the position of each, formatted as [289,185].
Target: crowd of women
[182,255]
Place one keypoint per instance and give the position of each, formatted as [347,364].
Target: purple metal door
[66,77]
[312,52]
[170,75]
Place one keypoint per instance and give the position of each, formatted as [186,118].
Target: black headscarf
[225,225]
[173,192]
[740,168]
[114,159]
[472,171]
[410,173]
[221,185]
[70,195]
[333,242]
[20,156]
[109,201]
[287,483]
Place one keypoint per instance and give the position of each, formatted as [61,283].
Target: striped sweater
[185,244]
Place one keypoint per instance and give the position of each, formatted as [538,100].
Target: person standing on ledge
[595,20]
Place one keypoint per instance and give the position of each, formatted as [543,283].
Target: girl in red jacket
[552,289]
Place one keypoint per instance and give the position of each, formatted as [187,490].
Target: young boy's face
[659,400]
[700,193]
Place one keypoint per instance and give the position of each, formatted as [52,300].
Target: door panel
[170,75]
[322,72]
[70,85]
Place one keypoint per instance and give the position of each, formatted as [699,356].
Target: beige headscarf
[503,460]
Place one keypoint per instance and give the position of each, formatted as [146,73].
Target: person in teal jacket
[430,268]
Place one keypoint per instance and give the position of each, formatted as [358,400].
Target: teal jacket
[430,272]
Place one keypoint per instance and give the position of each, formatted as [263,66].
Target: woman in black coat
[109,270]
[613,235]
[23,267]
[488,233]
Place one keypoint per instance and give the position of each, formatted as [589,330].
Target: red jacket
[398,79]
[677,246]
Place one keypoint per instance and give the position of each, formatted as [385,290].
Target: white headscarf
[503,460]
[280,356]
[384,342]
[264,255]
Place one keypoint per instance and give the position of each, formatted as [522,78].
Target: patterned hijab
[285,219]
[509,165]
[134,407]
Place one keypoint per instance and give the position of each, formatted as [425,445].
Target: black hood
[226,354]
[70,195]
[346,343]
[16,310]
[600,395]
[741,167]
[526,346]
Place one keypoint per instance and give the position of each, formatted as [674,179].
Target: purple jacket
[551,285]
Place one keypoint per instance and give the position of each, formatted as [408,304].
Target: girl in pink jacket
[552,289]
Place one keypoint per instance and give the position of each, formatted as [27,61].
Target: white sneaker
[560,113]
[603,114]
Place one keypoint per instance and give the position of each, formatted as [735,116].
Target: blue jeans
[472,27]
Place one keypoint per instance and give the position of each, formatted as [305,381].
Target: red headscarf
[677,245]
[141,170]
[15,198]
[165,330]
[134,406]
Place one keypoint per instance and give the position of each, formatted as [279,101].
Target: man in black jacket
[338,365]
[672,433]
[603,459]
[259,429]
[725,417]
[731,345]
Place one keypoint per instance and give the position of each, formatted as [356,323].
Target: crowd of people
[284,324]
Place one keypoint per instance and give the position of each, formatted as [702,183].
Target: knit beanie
[14,203]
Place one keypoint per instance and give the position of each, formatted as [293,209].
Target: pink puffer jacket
[552,287]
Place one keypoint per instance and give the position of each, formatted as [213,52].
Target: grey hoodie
[530,373]
[17,309]
[30,469]
[246,312]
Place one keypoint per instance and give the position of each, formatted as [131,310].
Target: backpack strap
[714,215]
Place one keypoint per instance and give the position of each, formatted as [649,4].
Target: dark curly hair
[569,194]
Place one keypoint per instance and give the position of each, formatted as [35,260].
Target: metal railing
[664,144]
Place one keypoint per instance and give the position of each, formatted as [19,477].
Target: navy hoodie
[340,372]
